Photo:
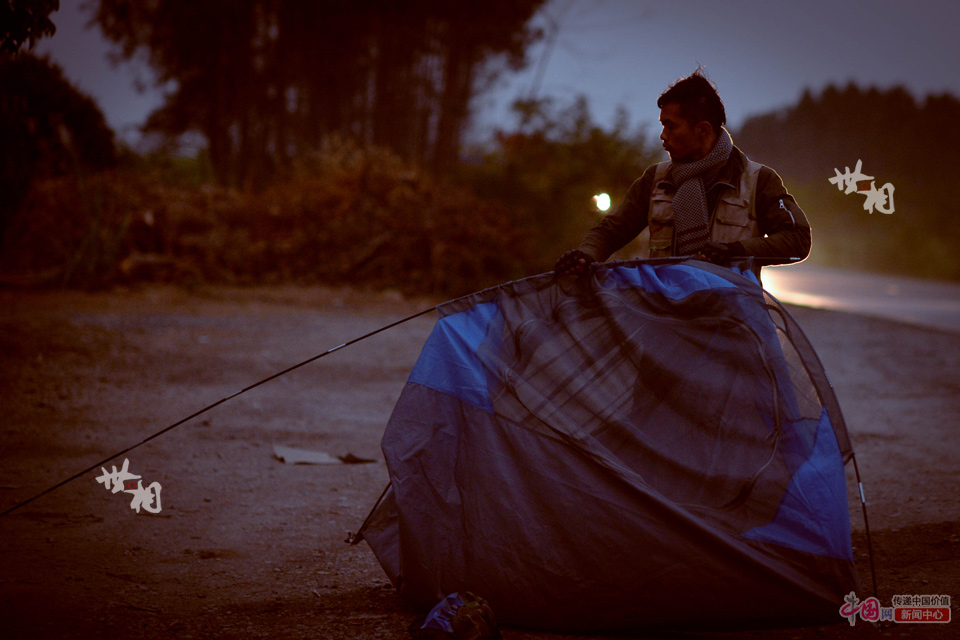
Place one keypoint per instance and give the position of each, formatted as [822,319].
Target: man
[708,201]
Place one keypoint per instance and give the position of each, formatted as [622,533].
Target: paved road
[927,303]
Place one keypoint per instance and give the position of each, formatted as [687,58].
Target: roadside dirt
[248,547]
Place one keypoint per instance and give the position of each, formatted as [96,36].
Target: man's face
[680,138]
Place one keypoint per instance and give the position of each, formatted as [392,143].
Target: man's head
[692,114]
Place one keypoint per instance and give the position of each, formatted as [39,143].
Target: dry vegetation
[344,215]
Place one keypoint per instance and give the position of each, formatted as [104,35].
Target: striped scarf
[690,201]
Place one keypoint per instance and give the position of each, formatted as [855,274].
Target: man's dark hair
[698,100]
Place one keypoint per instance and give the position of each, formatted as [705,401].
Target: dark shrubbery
[344,215]
[47,128]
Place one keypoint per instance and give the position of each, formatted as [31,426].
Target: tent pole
[216,404]
[866,524]
[356,538]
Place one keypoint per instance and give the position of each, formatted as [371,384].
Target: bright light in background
[784,284]
[602,201]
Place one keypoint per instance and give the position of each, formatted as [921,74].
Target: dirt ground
[248,547]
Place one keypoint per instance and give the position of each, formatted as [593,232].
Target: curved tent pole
[216,404]
[253,386]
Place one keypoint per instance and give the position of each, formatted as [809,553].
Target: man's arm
[780,219]
[625,222]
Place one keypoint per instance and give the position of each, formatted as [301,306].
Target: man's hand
[573,263]
[720,252]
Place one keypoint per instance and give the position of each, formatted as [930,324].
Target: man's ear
[703,129]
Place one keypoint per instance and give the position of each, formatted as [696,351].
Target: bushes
[352,215]
[344,215]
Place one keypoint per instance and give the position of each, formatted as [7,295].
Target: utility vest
[733,219]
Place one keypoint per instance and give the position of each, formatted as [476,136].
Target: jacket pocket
[661,225]
[732,222]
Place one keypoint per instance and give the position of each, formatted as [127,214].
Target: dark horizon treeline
[266,80]
[890,130]
[907,142]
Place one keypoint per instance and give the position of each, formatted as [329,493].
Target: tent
[653,446]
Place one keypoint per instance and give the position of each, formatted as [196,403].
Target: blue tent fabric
[448,362]
[655,446]
[813,516]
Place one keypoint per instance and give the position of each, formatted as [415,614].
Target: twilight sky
[761,54]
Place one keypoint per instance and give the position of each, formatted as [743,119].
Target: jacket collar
[728,175]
